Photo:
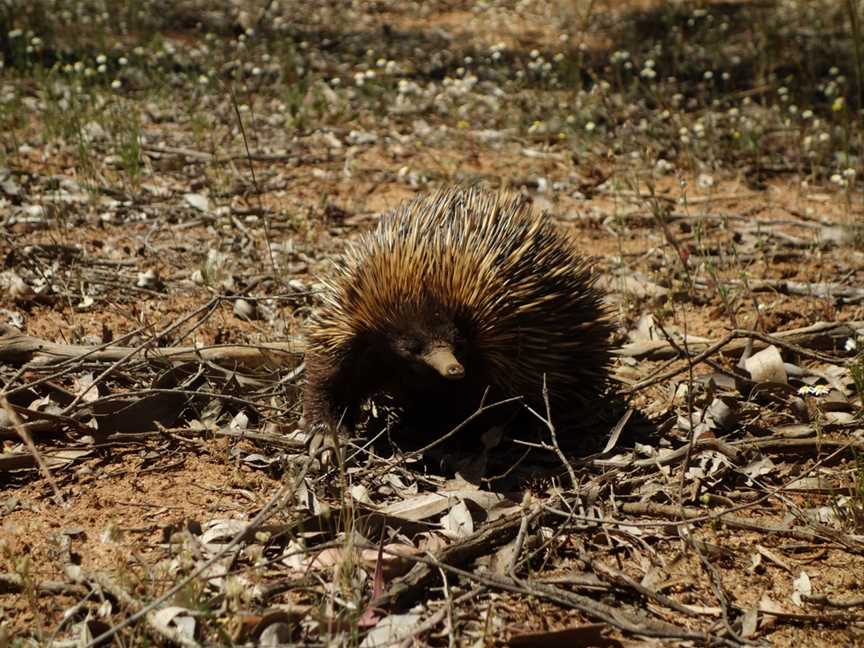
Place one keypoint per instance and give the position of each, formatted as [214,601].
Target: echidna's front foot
[323,445]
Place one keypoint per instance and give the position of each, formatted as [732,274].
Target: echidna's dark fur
[483,281]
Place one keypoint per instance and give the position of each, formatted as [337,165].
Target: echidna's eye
[414,346]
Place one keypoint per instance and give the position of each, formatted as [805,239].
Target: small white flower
[116,84]
[705,181]
[821,390]
[101,59]
[534,54]
[708,75]
[664,166]
[851,345]
[590,126]
[122,60]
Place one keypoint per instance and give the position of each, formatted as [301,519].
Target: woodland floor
[181,174]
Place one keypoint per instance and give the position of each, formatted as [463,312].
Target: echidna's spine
[506,277]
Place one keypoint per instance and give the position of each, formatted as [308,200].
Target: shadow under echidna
[456,296]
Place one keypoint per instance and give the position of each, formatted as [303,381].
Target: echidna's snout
[442,360]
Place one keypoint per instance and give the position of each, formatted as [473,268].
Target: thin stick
[25,437]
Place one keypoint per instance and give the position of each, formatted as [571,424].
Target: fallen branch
[820,335]
[732,521]
[12,583]
[18,349]
[824,290]
[626,620]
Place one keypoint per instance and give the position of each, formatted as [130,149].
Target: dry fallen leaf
[177,619]
[767,366]
[197,201]
[801,586]
[392,565]
[458,523]
[391,630]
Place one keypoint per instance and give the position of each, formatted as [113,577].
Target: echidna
[455,293]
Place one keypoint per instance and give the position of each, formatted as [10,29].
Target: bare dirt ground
[175,179]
